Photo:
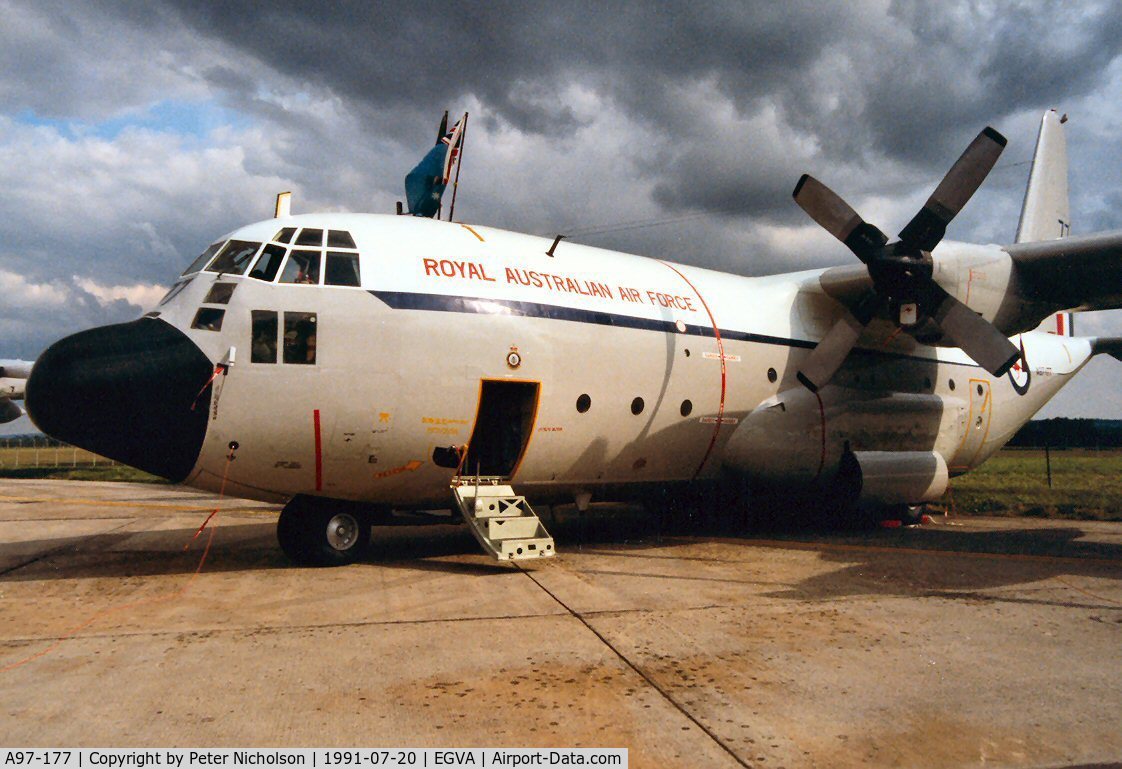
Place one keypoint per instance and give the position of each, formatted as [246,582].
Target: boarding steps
[502,521]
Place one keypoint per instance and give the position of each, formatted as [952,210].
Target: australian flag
[425,184]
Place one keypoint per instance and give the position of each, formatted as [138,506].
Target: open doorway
[502,427]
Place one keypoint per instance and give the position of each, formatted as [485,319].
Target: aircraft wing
[1074,273]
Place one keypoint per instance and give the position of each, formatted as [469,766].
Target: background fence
[40,451]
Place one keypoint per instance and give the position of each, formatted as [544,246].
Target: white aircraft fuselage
[356,364]
[400,360]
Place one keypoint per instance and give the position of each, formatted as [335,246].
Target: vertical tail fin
[1045,214]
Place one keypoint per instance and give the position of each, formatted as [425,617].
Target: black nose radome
[126,392]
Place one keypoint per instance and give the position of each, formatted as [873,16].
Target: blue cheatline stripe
[405,300]
[400,300]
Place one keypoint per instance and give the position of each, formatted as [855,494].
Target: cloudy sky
[134,133]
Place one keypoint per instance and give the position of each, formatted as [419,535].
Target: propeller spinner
[901,271]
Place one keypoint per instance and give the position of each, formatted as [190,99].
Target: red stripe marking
[724,373]
[319,452]
[1060,324]
[209,382]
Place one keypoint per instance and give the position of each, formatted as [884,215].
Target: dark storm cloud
[727,102]
[956,68]
[856,85]
[75,59]
[911,85]
[513,55]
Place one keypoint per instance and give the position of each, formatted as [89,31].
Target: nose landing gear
[313,531]
[903,514]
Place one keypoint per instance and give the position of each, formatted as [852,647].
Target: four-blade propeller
[901,271]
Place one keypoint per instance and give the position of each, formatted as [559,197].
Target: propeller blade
[826,207]
[830,353]
[978,338]
[927,228]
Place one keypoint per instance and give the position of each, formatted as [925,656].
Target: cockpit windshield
[269,262]
[307,261]
[234,259]
[301,267]
[203,258]
[310,237]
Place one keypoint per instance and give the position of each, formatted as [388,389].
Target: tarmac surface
[968,642]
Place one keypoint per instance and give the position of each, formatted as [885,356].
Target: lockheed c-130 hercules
[354,364]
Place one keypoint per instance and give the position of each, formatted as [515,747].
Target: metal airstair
[502,521]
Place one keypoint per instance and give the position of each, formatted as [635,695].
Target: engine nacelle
[892,477]
[782,440]
[887,446]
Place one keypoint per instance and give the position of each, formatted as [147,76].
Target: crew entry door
[503,425]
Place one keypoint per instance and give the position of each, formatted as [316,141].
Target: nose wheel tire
[912,515]
[319,532]
[343,531]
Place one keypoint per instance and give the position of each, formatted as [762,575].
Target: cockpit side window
[220,293]
[300,337]
[302,267]
[264,343]
[268,263]
[234,258]
[203,258]
[285,235]
[342,269]
[310,237]
[208,319]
